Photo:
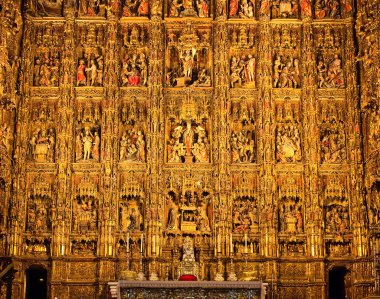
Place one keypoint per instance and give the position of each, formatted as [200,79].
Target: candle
[154,244]
[128,242]
[219,243]
[142,242]
[158,245]
[245,243]
[231,245]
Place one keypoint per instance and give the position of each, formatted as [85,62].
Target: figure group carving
[243,70]
[336,219]
[87,145]
[90,71]
[189,8]
[327,9]
[245,215]
[284,9]
[288,143]
[42,145]
[189,63]
[91,8]
[46,70]
[131,218]
[188,211]
[135,8]
[330,73]
[134,58]
[188,143]
[39,218]
[291,215]
[85,213]
[286,72]
[241,9]
[132,146]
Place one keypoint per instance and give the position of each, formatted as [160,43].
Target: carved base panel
[178,289]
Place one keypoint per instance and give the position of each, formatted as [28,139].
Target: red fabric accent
[187,277]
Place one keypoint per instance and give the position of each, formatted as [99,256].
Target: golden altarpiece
[249,128]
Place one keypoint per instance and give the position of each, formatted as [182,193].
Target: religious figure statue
[173,216]
[288,144]
[327,9]
[187,58]
[135,70]
[87,140]
[81,76]
[132,146]
[42,145]
[188,138]
[49,8]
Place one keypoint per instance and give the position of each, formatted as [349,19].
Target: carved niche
[291,207]
[329,42]
[91,8]
[131,213]
[242,56]
[332,132]
[188,56]
[188,8]
[134,55]
[328,9]
[133,128]
[90,55]
[371,128]
[88,131]
[40,202]
[84,247]
[188,129]
[244,9]
[188,205]
[284,9]
[131,204]
[85,216]
[36,246]
[7,116]
[336,206]
[288,139]
[44,8]
[135,8]
[243,131]
[374,204]
[3,205]
[47,58]
[245,204]
[286,57]
[42,135]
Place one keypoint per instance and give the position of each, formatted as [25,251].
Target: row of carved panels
[233,9]
[189,57]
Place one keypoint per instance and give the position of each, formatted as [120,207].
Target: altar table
[125,289]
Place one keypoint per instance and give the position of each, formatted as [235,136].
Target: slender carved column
[221,152]
[314,214]
[18,207]
[61,221]
[109,116]
[354,146]
[155,145]
[10,36]
[266,142]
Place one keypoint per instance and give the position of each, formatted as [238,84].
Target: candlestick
[219,243]
[231,245]
[142,242]
[128,242]
[245,243]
